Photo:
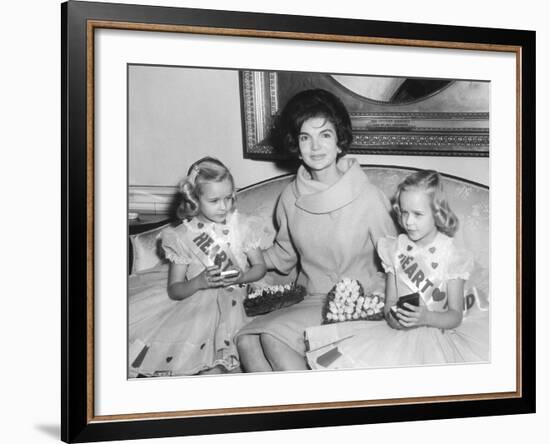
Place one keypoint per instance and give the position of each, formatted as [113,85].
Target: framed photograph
[151,94]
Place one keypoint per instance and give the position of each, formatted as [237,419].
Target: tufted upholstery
[469,201]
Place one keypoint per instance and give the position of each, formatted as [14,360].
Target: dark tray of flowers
[263,300]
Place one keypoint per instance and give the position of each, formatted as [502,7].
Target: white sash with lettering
[419,275]
[209,249]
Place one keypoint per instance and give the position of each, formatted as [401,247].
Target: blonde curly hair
[205,170]
[431,182]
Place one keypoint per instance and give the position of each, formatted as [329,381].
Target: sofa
[469,200]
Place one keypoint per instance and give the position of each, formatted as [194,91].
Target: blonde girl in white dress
[184,323]
[424,260]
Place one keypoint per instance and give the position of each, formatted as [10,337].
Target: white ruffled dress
[172,338]
[426,270]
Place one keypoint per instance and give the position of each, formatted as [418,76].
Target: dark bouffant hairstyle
[430,181]
[207,169]
[305,105]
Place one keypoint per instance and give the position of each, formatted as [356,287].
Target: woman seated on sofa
[329,221]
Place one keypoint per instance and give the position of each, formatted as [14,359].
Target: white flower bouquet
[262,300]
[346,301]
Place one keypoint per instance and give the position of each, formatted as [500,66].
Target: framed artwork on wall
[390,115]
[411,90]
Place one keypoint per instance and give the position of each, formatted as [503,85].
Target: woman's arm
[180,288]
[267,261]
[391,299]
[282,256]
[451,318]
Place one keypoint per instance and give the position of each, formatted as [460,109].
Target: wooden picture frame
[81,182]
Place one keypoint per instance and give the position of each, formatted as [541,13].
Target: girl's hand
[392,322]
[412,316]
[210,278]
[235,279]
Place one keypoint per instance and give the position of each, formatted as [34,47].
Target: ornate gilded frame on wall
[420,127]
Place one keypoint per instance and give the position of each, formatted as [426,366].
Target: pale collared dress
[328,232]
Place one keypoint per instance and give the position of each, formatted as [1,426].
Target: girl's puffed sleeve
[282,253]
[173,247]
[386,249]
[461,264]
[380,221]
[256,234]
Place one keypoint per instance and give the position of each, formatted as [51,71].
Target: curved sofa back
[468,200]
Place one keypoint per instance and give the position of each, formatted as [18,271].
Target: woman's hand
[210,278]
[411,316]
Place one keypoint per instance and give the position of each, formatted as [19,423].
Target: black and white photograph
[294,221]
[275,222]
[283,222]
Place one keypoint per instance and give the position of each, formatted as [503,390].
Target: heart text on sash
[415,274]
[213,251]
